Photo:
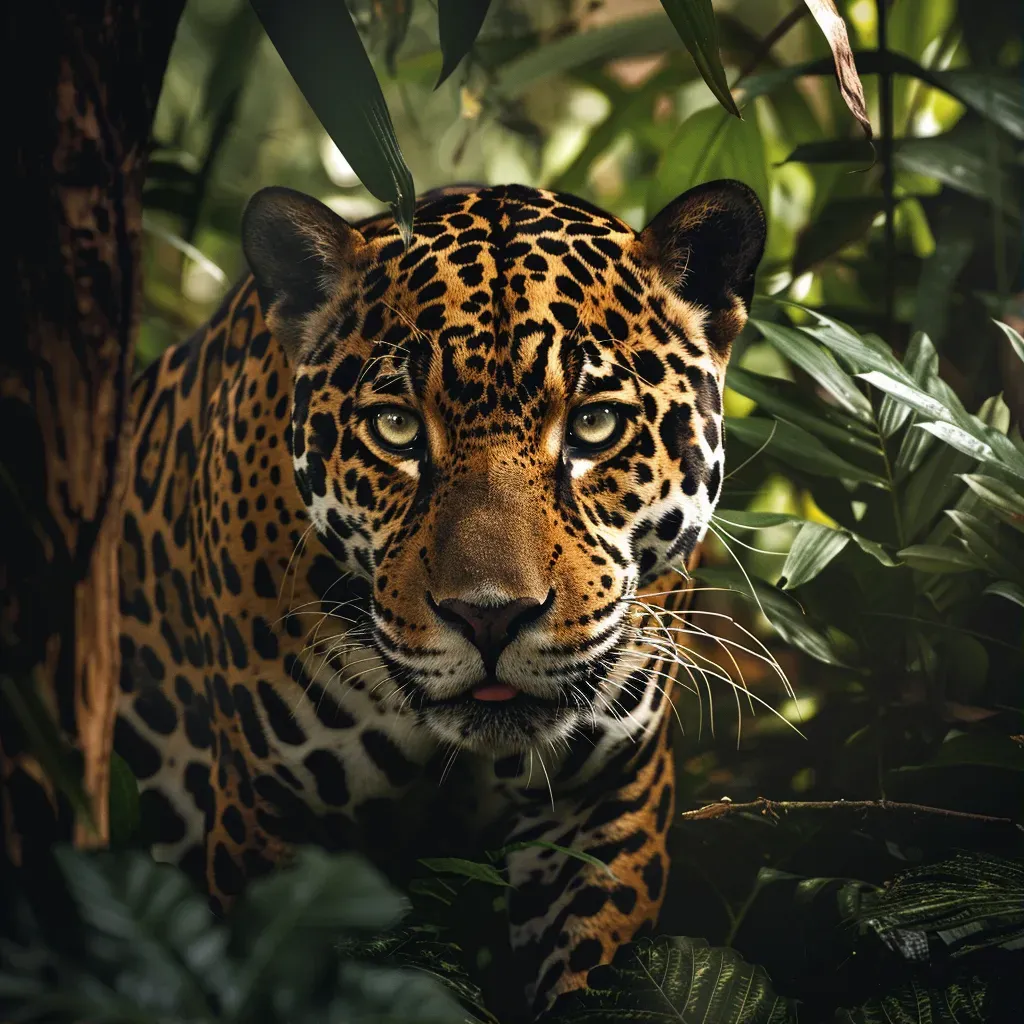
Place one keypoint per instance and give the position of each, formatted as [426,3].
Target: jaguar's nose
[491,628]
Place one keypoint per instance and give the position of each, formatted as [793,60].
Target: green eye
[396,427]
[595,426]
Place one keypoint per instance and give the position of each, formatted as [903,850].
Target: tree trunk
[86,78]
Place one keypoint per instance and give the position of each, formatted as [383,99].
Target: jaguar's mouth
[491,694]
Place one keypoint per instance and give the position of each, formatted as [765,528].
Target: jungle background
[853,826]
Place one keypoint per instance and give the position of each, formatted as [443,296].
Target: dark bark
[86,76]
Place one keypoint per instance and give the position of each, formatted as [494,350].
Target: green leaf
[960,439]
[580,855]
[322,50]
[1015,340]
[962,1002]
[922,363]
[839,223]
[796,447]
[467,868]
[977,536]
[672,980]
[743,520]
[983,748]
[694,20]
[874,549]
[123,801]
[785,615]
[147,926]
[908,394]
[1004,588]
[955,227]
[782,399]
[458,25]
[802,351]
[1007,502]
[710,144]
[834,29]
[633,37]
[972,901]
[934,558]
[813,548]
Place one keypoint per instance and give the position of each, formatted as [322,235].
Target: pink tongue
[495,691]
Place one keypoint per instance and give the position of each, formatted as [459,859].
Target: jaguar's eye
[396,427]
[595,426]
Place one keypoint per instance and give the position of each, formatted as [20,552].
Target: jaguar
[391,520]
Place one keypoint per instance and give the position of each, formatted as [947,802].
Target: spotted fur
[307,612]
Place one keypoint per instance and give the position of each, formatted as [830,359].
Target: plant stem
[888,170]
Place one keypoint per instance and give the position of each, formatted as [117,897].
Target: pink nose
[491,628]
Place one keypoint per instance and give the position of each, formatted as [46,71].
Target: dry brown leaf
[834,28]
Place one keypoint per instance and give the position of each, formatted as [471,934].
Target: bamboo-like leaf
[466,868]
[1007,502]
[834,28]
[813,548]
[820,364]
[567,851]
[676,979]
[321,48]
[458,25]
[934,558]
[959,439]
[978,538]
[796,447]
[921,362]
[1004,588]
[737,519]
[694,20]
[1012,336]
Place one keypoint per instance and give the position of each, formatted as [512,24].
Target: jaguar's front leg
[567,914]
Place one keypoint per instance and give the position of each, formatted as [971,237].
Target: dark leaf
[466,868]
[813,548]
[963,1002]
[321,48]
[458,25]
[694,20]
[123,801]
[673,980]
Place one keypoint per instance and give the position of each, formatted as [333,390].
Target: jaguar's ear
[300,253]
[708,243]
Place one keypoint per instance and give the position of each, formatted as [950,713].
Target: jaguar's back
[390,512]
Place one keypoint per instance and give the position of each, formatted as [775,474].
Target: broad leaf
[1004,588]
[813,548]
[973,901]
[820,364]
[458,25]
[694,20]
[834,28]
[322,50]
[710,144]
[736,519]
[963,1002]
[673,980]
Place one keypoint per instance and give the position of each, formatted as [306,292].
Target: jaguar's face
[508,428]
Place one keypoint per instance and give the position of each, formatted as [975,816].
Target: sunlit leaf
[322,50]
[911,396]
[959,439]
[813,548]
[921,362]
[694,20]
[819,364]
[834,28]
[742,520]
[675,979]
[1015,340]
[458,25]
[934,558]
[796,447]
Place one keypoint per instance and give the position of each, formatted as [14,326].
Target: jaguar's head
[508,428]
